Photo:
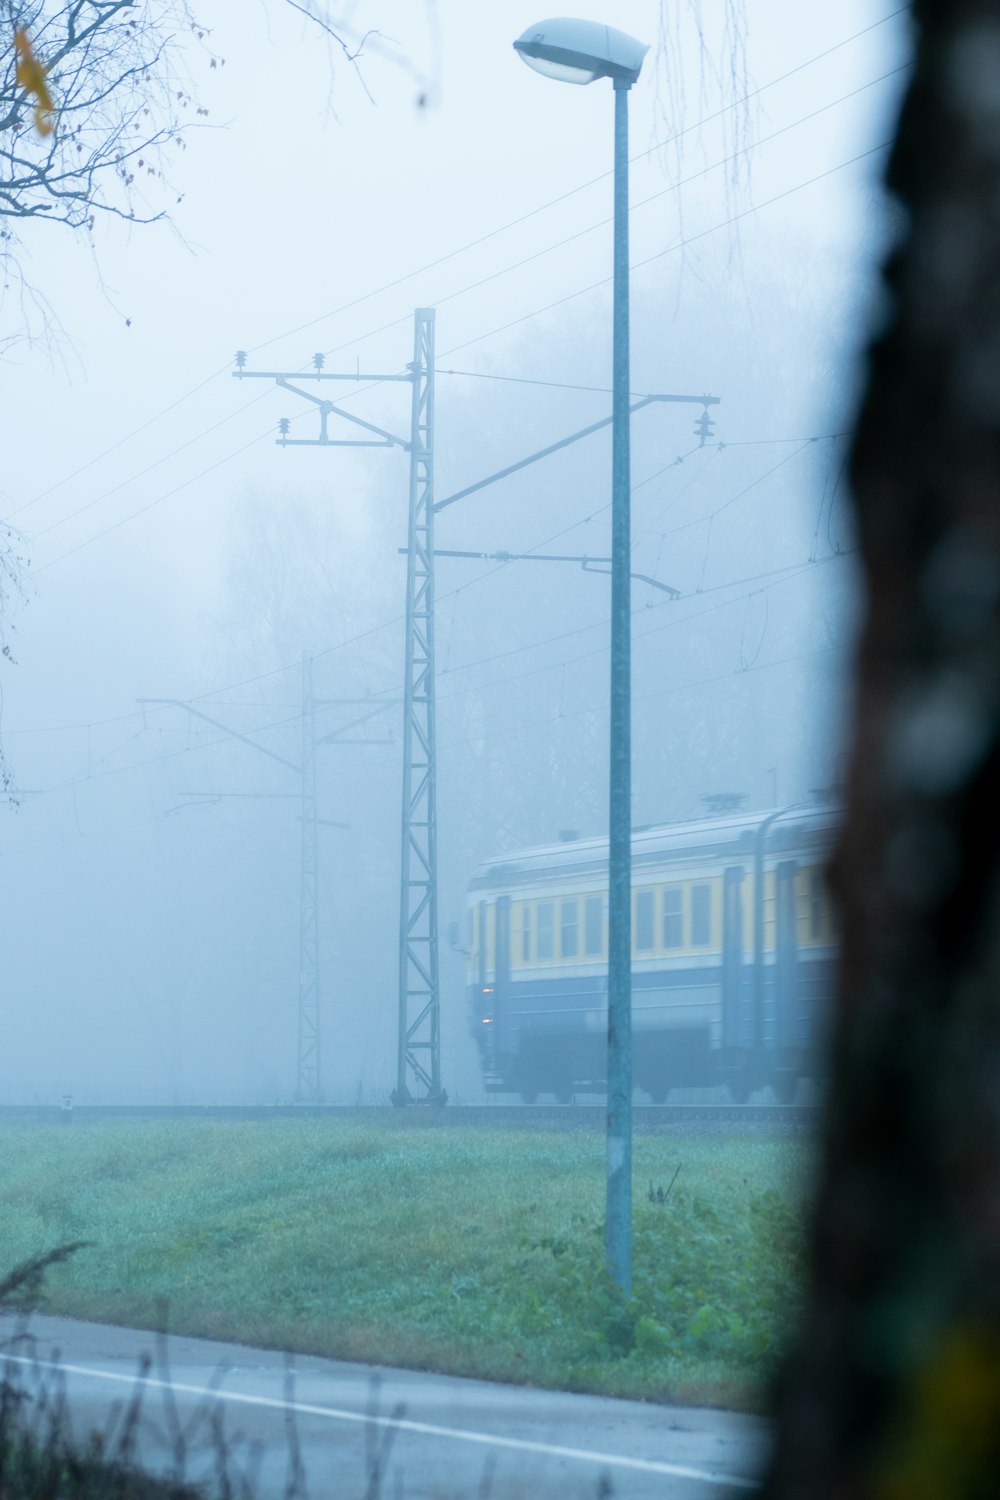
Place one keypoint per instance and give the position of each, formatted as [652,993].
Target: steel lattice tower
[418,1070]
[418,1075]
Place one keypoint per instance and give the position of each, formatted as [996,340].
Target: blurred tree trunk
[894,1387]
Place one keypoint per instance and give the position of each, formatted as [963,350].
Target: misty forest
[162,547]
[476,812]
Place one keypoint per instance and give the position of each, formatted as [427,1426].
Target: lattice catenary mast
[418,1065]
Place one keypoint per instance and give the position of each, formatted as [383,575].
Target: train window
[544,930]
[568,938]
[644,921]
[593,918]
[815,903]
[701,916]
[525,933]
[673,917]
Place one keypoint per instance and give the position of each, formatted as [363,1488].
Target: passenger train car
[733,954]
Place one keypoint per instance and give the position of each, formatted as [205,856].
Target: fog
[149,859]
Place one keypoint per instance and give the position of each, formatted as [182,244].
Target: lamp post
[580,52]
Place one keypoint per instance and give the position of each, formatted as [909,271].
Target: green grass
[477,1251]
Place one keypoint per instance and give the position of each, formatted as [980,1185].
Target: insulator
[283,426]
[319,360]
[704,427]
[241,358]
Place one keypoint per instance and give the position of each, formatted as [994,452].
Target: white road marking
[403,1424]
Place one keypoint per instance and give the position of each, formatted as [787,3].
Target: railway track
[648,1118]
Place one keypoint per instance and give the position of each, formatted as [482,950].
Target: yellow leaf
[30,75]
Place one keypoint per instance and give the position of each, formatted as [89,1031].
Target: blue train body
[733,957]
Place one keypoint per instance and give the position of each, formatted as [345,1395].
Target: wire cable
[453,593]
[460,250]
[670,692]
[479,338]
[150,505]
[670,250]
[89,505]
[593,181]
[791,570]
[774,576]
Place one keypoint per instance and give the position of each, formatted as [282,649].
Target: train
[734,956]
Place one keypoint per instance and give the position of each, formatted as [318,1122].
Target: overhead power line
[792,570]
[692,239]
[672,691]
[151,504]
[503,328]
[89,505]
[119,443]
[774,576]
[593,181]
[396,619]
[83,779]
[579,234]
[460,250]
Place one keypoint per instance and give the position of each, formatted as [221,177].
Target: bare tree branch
[354,44]
[120,96]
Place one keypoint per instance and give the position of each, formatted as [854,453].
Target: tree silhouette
[894,1387]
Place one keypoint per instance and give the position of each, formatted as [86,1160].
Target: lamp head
[580,51]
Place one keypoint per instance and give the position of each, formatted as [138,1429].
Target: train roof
[793,829]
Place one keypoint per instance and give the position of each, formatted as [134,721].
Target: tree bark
[894,1387]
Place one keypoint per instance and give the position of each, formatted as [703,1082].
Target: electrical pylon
[418,1060]
[309,1056]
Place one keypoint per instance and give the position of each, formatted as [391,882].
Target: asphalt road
[428,1435]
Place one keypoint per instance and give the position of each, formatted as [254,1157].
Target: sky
[176,552]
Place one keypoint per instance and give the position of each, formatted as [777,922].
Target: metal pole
[618,1220]
[759,875]
[309,1085]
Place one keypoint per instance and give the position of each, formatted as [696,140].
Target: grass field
[472,1250]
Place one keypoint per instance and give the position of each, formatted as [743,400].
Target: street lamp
[580,52]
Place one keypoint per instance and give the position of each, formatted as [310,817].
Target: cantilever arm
[667,588]
[233,733]
[326,407]
[565,442]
